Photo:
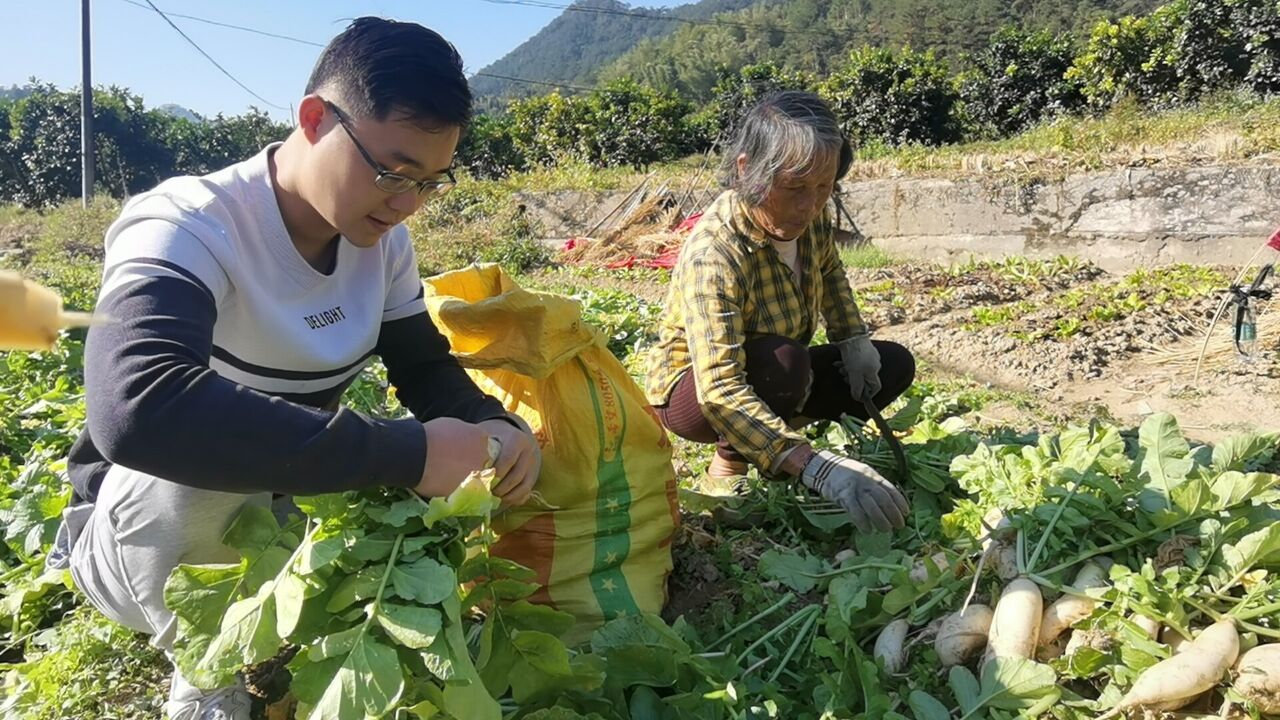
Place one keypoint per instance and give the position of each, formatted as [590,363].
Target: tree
[737,92]
[130,151]
[630,124]
[1208,52]
[1256,24]
[488,150]
[881,96]
[1132,56]
[549,128]
[44,139]
[200,148]
[134,148]
[1017,81]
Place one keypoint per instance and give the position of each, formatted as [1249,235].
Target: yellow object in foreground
[598,534]
[30,315]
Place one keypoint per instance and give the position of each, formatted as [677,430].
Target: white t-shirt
[790,253]
[282,327]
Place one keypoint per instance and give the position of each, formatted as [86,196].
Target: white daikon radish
[1015,626]
[1177,681]
[961,637]
[891,646]
[1071,608]
[1258,677]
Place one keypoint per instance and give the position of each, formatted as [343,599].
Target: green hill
[593,33]
[585,47]
[814,35]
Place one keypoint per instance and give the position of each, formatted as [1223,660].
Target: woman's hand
[861,364]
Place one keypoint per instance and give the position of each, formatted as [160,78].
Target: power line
[207,21]
[264,33]
[210,58]
[667,18]
[535,82]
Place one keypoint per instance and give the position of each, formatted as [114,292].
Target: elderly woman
[733,364]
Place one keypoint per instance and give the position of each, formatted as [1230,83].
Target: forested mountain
[587,47]
[574,47]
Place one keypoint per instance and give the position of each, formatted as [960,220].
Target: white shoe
[187,702]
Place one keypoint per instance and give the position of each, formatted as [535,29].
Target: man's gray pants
[139,529]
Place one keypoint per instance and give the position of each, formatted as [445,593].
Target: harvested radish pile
[1091,573]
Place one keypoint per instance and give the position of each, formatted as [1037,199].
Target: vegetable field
[1058,565]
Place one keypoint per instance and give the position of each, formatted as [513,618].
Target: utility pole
[86,109]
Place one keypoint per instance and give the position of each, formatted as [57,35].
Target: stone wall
[1118,219]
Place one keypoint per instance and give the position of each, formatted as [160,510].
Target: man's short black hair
[377,68]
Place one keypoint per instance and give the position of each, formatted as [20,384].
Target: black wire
[210,58]
[264,33]
[535,82]
[207,21]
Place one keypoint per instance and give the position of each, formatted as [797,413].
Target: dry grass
[644,233]
[1221,350]
[1228,128]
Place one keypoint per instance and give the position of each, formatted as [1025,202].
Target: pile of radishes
[1023,626]
[1109,574]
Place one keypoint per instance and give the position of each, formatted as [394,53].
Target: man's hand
[861,361]
[455,449]
[872,502]
[518,464]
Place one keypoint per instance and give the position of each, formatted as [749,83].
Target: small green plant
[517,248]
[627,321]
[1067,327]
[478,222]
[998,315]
[867,256]
[1180,281]
[85,664]
[1072,299]
[1104,313]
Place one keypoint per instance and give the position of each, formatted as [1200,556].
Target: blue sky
[134,48]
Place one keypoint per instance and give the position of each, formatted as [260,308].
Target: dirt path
[1228,399]
[1072,343]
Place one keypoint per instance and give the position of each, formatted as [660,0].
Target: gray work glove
[872,502]
[861,364]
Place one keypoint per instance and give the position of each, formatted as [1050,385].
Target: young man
[242,304]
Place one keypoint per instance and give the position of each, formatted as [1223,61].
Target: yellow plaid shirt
[728,287]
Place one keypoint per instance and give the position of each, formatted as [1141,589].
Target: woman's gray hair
[787,131]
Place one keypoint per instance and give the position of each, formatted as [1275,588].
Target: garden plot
[1072,341]
[1043,323]
[910,293]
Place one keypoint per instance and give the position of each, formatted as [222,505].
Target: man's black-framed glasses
[393,182]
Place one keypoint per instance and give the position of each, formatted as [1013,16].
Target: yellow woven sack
[600,535]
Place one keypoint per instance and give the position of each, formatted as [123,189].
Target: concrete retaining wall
[1118,219]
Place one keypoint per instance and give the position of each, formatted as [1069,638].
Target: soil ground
[1066,340]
